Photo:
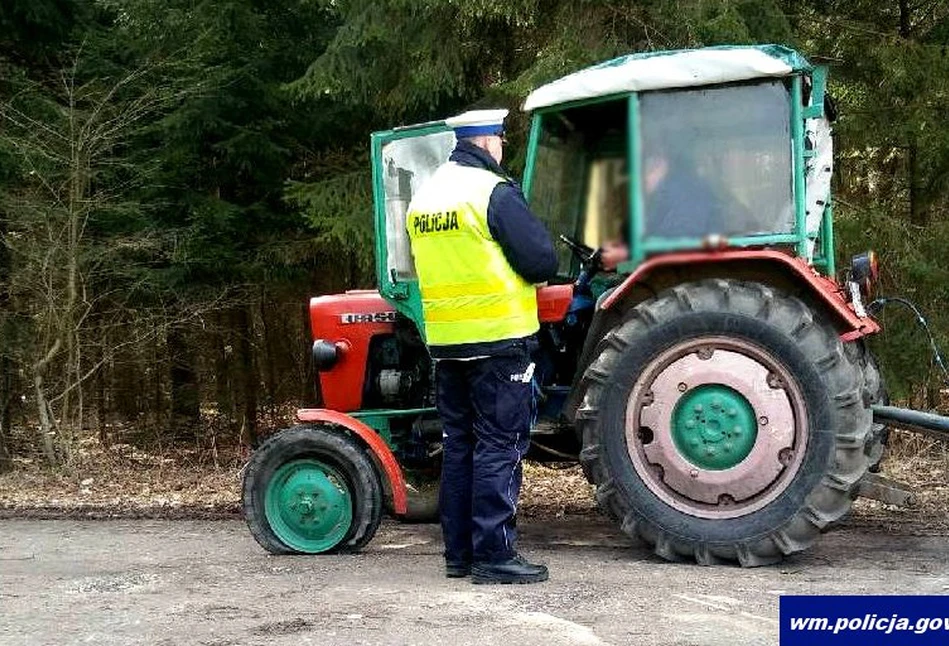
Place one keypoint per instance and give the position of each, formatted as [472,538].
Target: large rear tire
[723,421]
[310,490]
[876,387]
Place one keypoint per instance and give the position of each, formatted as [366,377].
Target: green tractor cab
[715,387]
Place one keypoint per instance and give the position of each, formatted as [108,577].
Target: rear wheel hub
[716,427]
[713,426]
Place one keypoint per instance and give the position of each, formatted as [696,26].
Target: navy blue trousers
[486,408]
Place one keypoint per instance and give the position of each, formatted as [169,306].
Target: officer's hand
[614,252]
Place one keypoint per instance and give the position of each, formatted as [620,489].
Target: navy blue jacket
[522,237]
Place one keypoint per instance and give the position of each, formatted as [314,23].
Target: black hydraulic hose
[913,420]
[878,305]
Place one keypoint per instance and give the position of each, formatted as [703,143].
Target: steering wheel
[588,256]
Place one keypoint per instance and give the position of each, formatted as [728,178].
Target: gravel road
[208,583]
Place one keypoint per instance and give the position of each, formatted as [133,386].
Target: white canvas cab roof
[669,69]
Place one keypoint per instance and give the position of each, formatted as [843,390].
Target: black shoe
[515,570]
[455,570]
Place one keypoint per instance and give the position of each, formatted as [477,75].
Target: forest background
[178,177]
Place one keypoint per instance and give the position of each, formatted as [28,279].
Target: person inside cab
[677,203]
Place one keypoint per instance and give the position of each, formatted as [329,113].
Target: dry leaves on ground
[123,481]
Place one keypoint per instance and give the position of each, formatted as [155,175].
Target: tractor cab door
[402,161]
[577,176]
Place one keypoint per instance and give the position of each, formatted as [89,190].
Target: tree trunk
[6,366]
[918,213]
[46,421]
[905,17]
[309,389]
[269,352]
[6,397]
[244,328]
[6,460]
[99,387]
[185,401]
[223,370]
[158,392]
[44,414]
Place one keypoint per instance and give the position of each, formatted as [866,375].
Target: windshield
[717,161]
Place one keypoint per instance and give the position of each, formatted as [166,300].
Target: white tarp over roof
[655,71]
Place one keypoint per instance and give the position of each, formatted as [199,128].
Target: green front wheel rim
[309,506]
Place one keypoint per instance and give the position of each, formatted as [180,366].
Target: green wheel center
[714,427]
[308,505]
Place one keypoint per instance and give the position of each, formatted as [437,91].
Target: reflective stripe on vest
[470,294]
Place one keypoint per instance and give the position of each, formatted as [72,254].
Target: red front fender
[378,447]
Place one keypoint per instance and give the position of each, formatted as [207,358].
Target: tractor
[715,387]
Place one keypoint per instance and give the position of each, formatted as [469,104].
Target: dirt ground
[168,562]
[207,583]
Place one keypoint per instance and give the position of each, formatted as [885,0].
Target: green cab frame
[403,291]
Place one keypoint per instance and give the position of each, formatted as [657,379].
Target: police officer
[478,252]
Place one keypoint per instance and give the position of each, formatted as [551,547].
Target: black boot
[515,570]
[457,570]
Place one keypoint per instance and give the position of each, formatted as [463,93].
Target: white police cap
[477,122]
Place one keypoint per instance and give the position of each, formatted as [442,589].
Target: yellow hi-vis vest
[470,293]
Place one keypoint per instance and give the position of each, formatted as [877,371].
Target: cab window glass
[717,161]
[580,173]
[607,201]
[406,165]
[558,184]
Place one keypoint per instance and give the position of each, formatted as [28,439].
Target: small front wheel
[310,490]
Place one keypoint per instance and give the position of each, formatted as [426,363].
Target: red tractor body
[715,388]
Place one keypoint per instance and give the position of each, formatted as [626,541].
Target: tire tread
[328,443]
[832,497]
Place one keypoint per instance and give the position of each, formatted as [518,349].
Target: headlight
[325,354]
